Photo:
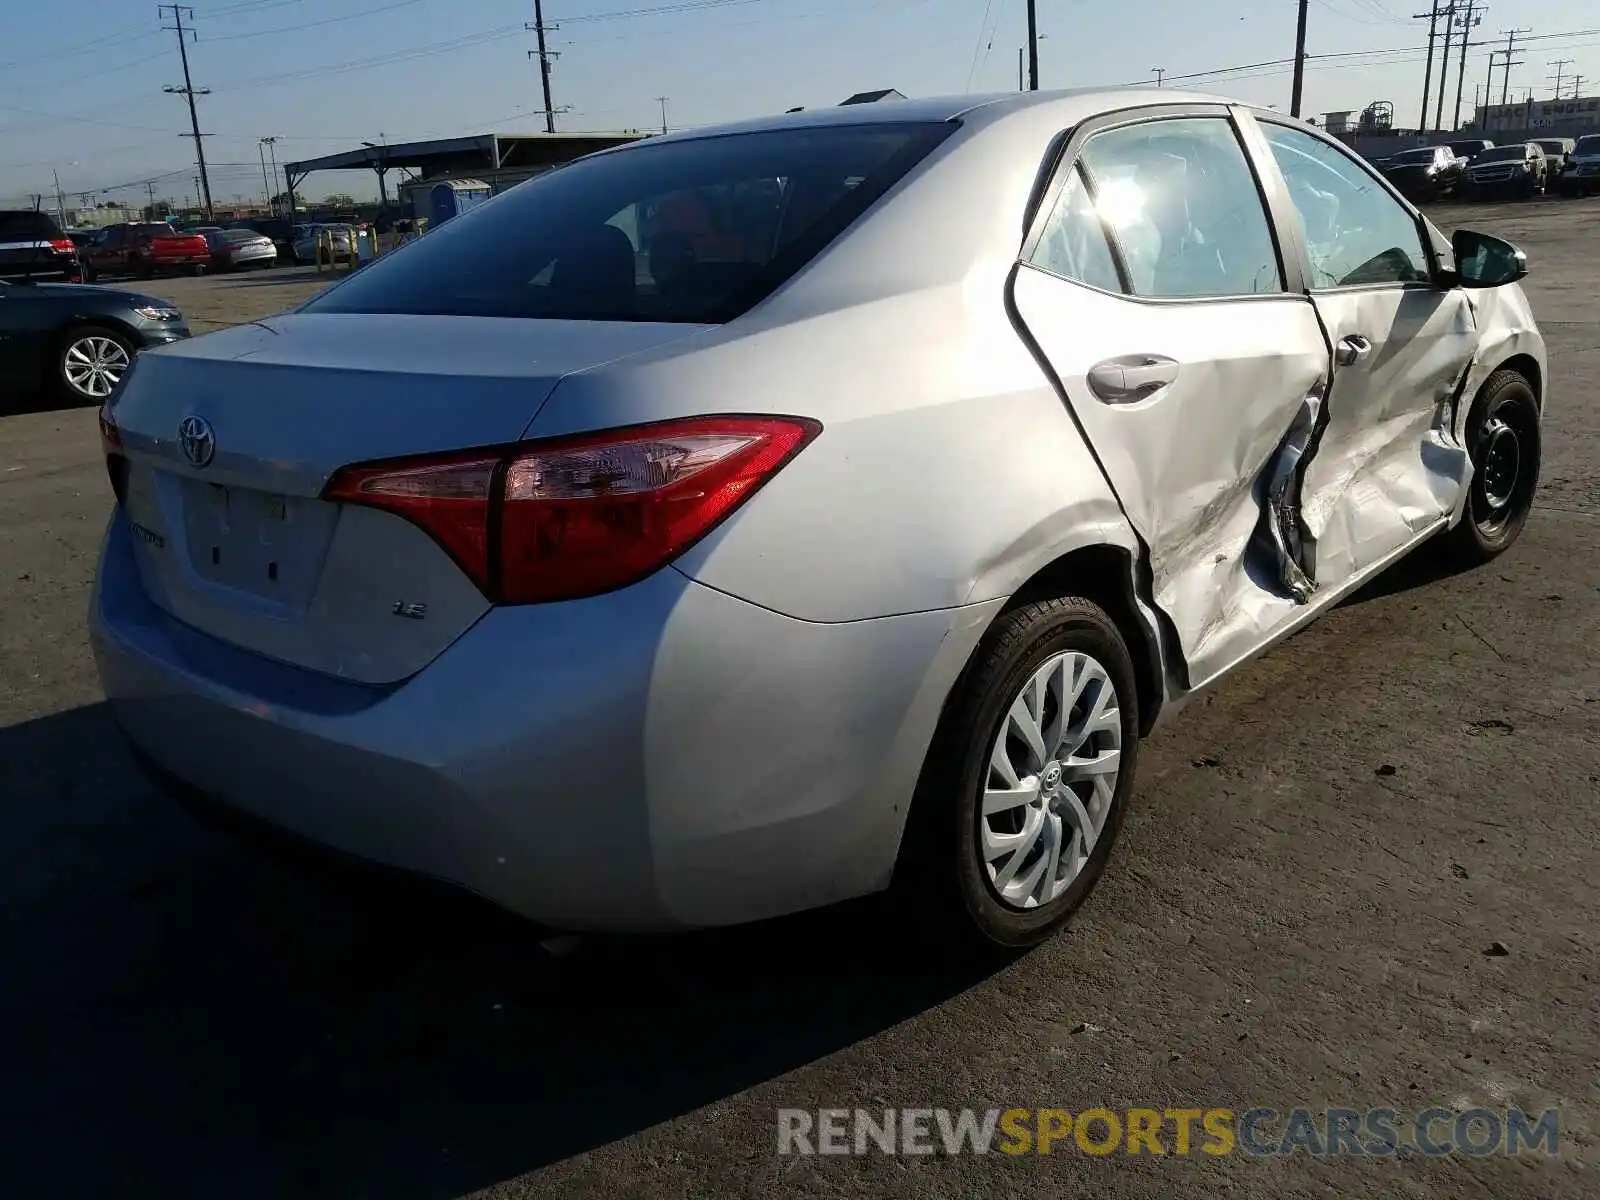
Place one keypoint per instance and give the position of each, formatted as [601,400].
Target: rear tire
[959,884]
[1503,440]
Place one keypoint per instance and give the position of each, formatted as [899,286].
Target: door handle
[1131,377]
[1352,349]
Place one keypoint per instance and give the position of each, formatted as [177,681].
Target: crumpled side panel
[1188,462]
[1387,467]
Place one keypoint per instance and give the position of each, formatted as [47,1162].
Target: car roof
[1076,104]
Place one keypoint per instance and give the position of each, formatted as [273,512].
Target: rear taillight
[111,447]
[577,516]
[63,245]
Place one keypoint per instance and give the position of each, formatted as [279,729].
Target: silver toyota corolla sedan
[749,519]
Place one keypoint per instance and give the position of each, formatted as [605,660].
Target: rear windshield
[693,231]
[237,235]
[1589,144]
[1415,156]
[28,226]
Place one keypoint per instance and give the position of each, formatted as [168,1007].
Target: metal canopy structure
[483,155]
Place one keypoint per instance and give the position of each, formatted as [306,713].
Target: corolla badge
[197,439]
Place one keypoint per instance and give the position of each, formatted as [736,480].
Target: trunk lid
[231,438]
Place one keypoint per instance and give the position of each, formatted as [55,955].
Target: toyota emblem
[197,439]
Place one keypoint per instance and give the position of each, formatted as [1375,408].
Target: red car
[146,249]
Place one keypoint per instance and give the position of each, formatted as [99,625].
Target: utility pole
[1577,82]
[1022,81]
[1560,64]
[261,146]
[1488,89]
[1427,75]
[1158,72]
[1471,21]
[544,54]
[662,100]
[1506,64]
[266,185]
[189,92]
[1449,15]
[1299,59]
[149,186]
[1033,46]
[61,204]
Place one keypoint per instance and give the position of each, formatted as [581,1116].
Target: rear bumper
[662,757]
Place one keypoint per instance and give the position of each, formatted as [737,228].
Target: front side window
[694,231]
[1179,197]
[1355,232]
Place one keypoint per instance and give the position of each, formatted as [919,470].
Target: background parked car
[146,249]
[32,246]
[1519,169]
[236,249]
[1558,153]
[1426,173]
[278,229]
[305,246]
[1470,148]
[77,340]
[1583,177]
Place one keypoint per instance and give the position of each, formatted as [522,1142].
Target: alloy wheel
[1052,775]
[94,365]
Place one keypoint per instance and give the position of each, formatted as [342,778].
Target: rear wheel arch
[1106,575]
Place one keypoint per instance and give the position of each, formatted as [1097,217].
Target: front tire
[1026,782]
[90,361]
[1503,441]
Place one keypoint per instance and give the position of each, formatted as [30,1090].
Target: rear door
[1387,467]
[1190,357]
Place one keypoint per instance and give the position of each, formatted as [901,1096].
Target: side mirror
[1485,261]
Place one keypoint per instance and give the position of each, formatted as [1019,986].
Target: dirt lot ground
[1298,914]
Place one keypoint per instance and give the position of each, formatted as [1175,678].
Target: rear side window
[1074,244]
[1184,208]
[28,226]
[692,231]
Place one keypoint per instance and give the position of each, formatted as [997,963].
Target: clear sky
[80,84]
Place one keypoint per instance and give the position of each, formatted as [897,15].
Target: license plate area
[263,543]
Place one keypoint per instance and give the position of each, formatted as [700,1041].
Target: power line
[369,12]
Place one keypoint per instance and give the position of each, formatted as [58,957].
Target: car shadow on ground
[189,1013]
[1430,562]
[24,403]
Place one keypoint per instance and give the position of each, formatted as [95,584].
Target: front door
[1387,468]
[1154,290]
